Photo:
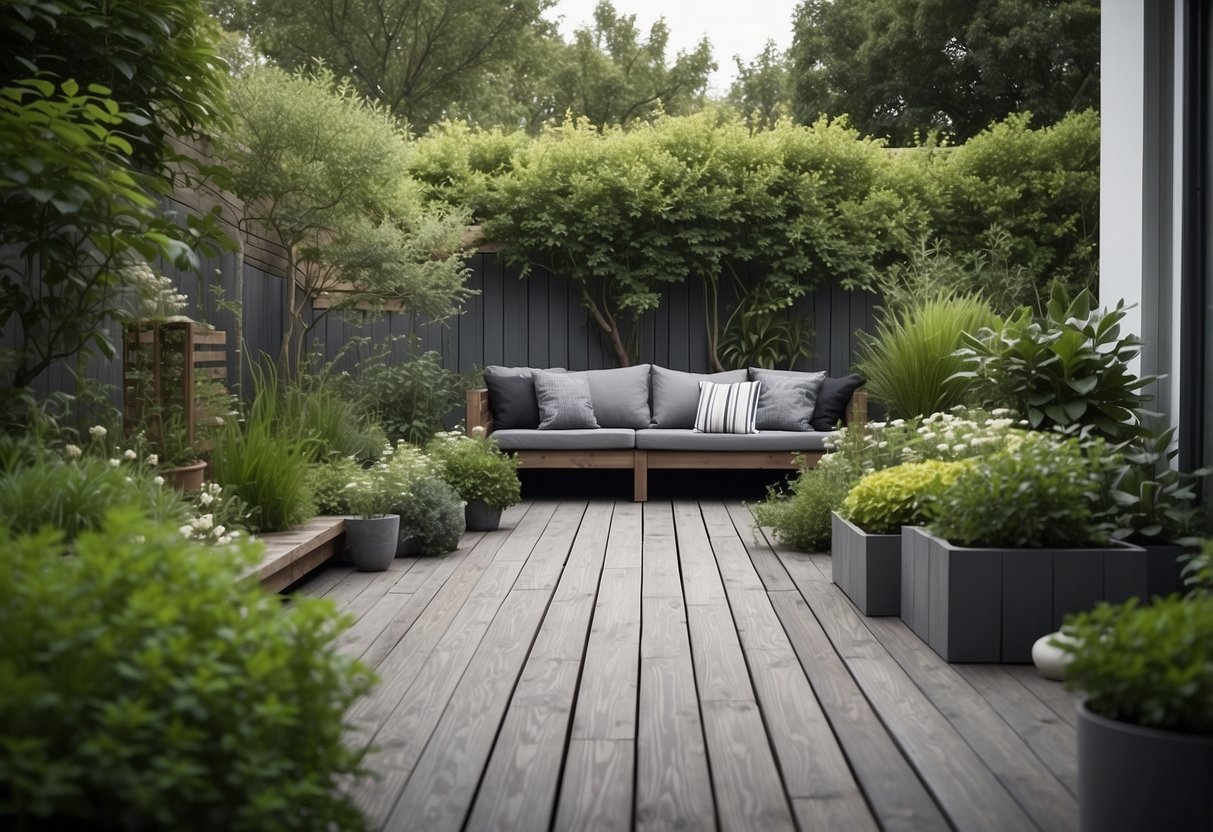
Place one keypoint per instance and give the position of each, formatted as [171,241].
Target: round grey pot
[1132,778]
[372,541]
[480,517]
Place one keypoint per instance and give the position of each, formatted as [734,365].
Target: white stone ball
[1049,660]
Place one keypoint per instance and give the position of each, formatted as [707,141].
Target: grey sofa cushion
[676,394]
[675,439]
[787,398]
[564,401]
[512,401]
[524,372]
[596,439]
[832,400]
[620,396]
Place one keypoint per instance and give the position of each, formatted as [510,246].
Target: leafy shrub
[319,410]
[910,363]
[148,687]
[1070,368]
[73,495]
[1040,491]
[801,517]
[411,400]
[328,482]
[263,465]
[433,517]
[476,468]
[1146,665]
[883,501]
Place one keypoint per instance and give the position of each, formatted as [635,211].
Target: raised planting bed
[990,605]
[867,567]
[290,556]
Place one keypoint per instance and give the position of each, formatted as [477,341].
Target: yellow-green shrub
[884,500]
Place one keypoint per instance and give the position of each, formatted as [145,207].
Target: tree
[414,56]
[324,168]
[762,91]
[903,68]
[89,94]
[613,77]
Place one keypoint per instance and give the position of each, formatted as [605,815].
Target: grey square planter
[867,567]
[990,605]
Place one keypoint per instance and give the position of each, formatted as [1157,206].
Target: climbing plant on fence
[763,218]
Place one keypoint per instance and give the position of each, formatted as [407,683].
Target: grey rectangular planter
[990,605]
[867,567]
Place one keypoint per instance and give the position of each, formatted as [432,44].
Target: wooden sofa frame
[640,460]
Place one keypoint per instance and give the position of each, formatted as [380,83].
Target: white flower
[72,451]
[97,431]
[1000,411]
[960,446]
[218,530]
[153,459]
[897,423]
[186,531]
[942,446]
[114,463]
[478,432]
[205,498]
[158,480]
[129,454]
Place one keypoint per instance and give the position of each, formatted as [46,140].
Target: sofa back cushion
[512,401]
[787,398]
[620,396]
[676,394]
[727,408]
[564,401]
[832,400]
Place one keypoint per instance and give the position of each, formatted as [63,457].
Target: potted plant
[373,534]
[1019,540]
[1145,725]
[482,475]
[866,530]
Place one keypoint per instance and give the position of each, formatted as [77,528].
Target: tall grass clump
[910,363]
[320,410]
[264,462]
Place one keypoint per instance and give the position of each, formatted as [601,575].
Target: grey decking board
[766,563]
[701,582]
[1054,694]
[596,795]
[546,563]
[720,670]
[748,789]
[440,789]
[322,580]
[660,568]
[606,699]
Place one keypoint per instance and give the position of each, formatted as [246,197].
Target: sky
[734,27]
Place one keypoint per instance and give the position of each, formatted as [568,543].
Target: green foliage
[1041,491]
[1154,501]
[148,687]
[74,495]
[433,517]
[904,69]
[1198,569]
[1146,665]
[883,501]
[412,399]
[1071,368]
[476,468]
[910,363]
[377,490]
[328,482]
[801,517]
[265,465]
[321,165]
[762,90]
[318,409]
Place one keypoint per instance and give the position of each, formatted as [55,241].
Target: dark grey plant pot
[991,605]
[1163,569]
[372,541]
[1132,778]
[867,567]
[481,517]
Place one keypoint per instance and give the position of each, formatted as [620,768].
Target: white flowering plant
[216,516]
[476,467]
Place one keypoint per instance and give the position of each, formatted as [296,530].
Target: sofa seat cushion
[675,439]
[594,439]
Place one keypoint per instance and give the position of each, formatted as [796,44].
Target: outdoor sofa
[644,417]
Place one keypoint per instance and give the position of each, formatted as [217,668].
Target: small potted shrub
[373,535]
[431,519]
[1145,725]
[866,530]
[480,473]
[1018,541]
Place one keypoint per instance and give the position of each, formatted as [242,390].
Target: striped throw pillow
[727,408]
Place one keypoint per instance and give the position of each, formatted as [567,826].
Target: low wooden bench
[640,460]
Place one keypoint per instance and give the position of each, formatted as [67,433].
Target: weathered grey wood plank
[524,536]
[625,547]
[439,792]
[1052,740]
[1062,702]
[720,670]
[663,631]
[749,792]
[357,639]
[897,797]
[701,583]
[596,795]
[543,567]
[774,577]
[606,700]
[660,553]
[673,788]
[322,581]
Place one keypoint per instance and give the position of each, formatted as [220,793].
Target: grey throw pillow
[676,394]
[564,401]
[787,399]
[620,396]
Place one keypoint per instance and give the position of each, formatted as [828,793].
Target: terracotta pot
[186,477]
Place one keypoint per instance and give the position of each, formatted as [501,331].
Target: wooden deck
[614,665]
